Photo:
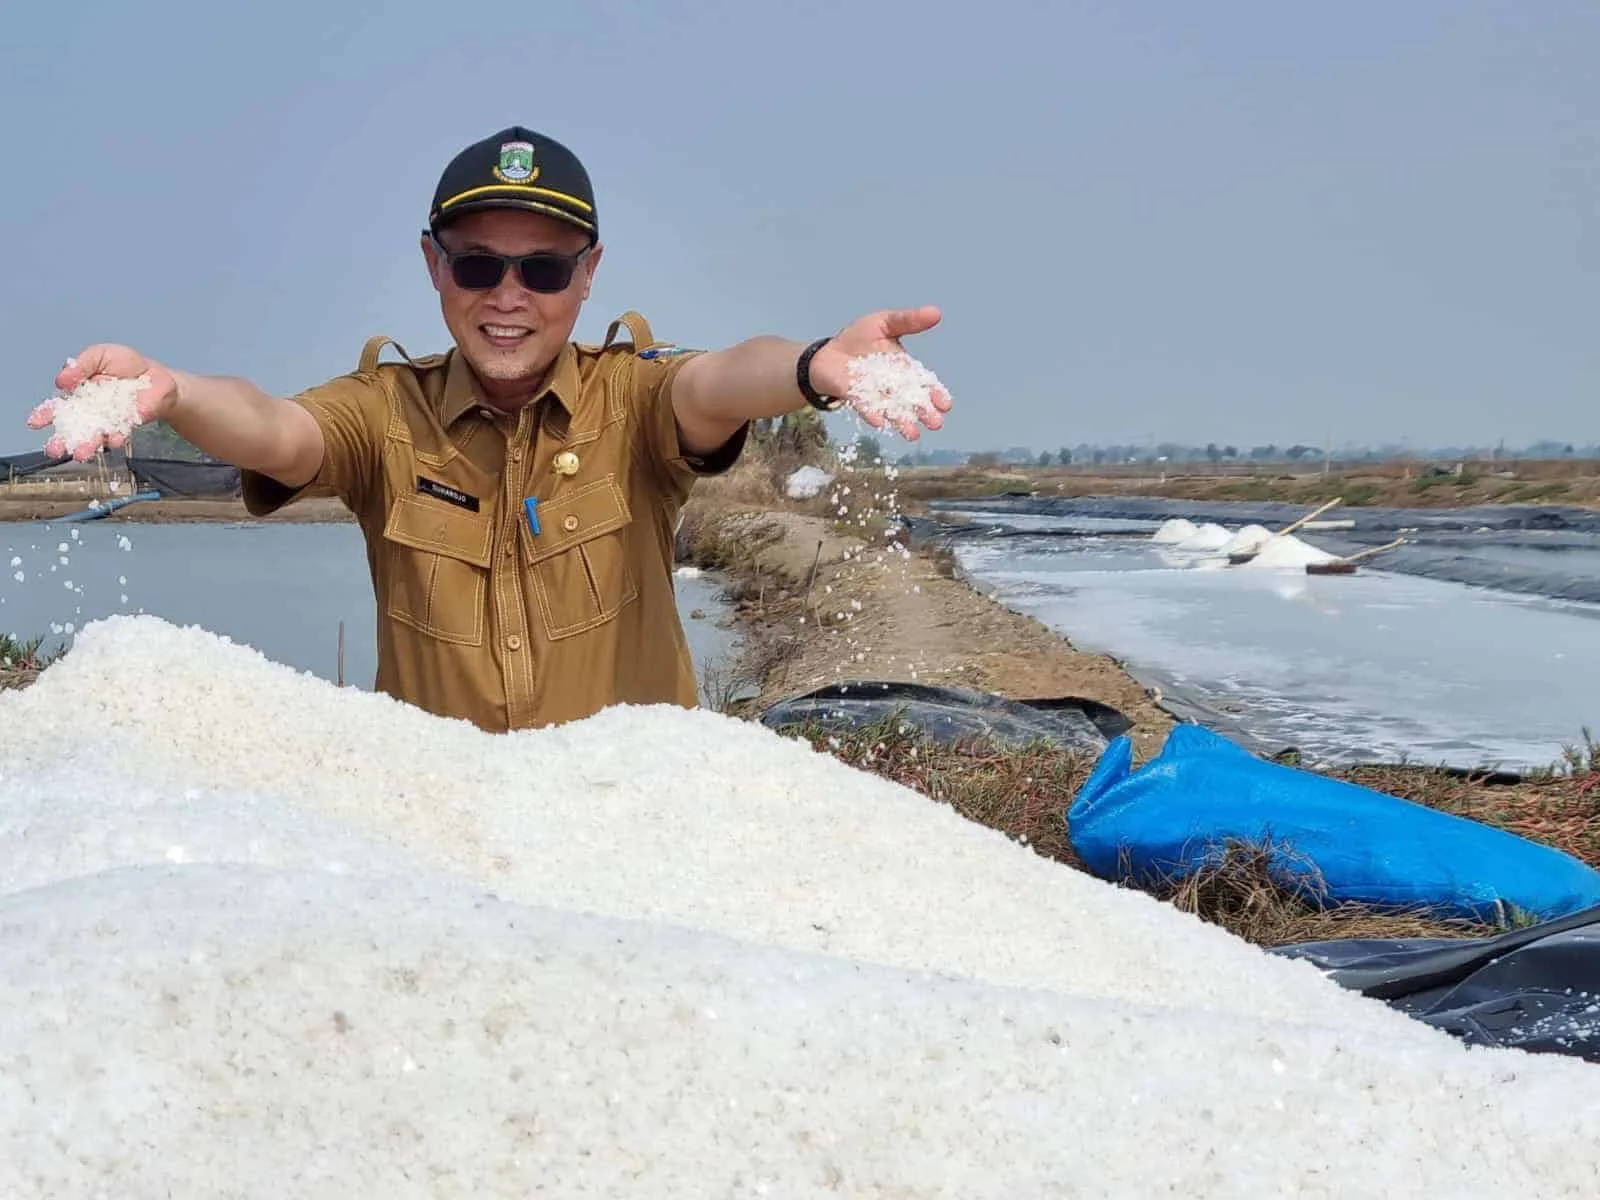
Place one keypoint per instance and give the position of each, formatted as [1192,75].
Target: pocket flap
[587,512]
[442,528]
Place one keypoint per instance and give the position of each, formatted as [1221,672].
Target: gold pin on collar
[566,463]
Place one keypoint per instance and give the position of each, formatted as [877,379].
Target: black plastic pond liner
[18,466]
[179,477]
[1553,553]
[1274,514]
[169,476]
[950,716]
[1535,989]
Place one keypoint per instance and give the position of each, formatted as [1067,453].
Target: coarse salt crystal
[96,408]
[894,386]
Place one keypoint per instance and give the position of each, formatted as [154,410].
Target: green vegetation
[21,662]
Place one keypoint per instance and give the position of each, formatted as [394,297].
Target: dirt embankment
[820,605]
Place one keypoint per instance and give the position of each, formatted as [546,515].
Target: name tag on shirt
[443,491]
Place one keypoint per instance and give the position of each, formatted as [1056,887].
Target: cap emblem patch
[516,163]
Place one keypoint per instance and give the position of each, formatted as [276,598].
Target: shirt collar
[461,385]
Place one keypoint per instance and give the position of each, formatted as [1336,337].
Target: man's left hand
[879,333]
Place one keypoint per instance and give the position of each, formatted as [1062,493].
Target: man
[518,494]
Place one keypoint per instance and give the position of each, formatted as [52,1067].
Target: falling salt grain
[97,408]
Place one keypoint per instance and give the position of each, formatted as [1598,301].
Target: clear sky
[1232,221]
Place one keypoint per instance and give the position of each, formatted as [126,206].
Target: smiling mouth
[505,336]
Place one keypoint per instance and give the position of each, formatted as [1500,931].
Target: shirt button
[486,413]
[508,550]
[570,524]
[513,642]
[516,456]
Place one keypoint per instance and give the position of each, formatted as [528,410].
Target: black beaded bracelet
[802,373]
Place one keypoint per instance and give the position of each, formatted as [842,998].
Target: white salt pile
[1185,535]
[806,483]
[1284,551]
[1205,538]
[1174,531]
[1251,537]
[895,387]
[97,408]
[653,953]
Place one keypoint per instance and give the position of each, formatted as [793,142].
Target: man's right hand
[155,400]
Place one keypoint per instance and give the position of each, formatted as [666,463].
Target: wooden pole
[805,605]
[341,653]
[1312,516]
[1357,557]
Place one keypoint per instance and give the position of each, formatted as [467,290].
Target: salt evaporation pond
[270,937]
[1376,666]
[281,588]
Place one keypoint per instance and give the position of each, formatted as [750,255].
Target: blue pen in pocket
[531,504]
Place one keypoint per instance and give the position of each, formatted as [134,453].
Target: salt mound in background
[274,935]
[1207,537]
[806,483]
[1174,531]
[1250,537]
[1287,552]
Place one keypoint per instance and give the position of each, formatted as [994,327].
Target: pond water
[280,588]
[1401,661]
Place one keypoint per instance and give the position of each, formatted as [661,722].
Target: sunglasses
[543,271]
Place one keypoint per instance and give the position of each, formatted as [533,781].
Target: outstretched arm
[715,394]
[230,419]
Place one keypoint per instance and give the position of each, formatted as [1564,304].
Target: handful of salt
[100,408]
[895,387]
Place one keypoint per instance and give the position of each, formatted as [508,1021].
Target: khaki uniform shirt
[479,616]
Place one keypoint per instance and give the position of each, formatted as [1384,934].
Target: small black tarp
[953,715]
[1534,989]
[16,466]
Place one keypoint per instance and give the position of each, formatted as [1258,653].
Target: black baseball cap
[516,168]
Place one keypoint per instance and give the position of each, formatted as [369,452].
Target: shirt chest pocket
[579,562]
[437,557]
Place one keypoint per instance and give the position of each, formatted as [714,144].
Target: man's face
[509,335]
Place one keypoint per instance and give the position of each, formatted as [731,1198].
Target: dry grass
[1266,894]
[1022,792]
[1393,484]
[939,483]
